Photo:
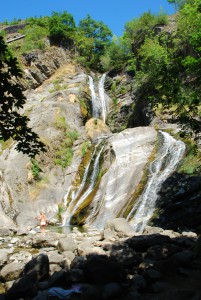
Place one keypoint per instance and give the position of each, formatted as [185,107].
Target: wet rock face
[179,203]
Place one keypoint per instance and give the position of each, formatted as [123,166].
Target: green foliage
[60,122]
[35,169]
[168,66]
[179,3]
[191,164]
[64,156]
[2,33]
[64,153]
[60,212]
[93,37]
[137,29]
[85,147]
[61,28]
[117,55]
[12,124]
[34,37]
[154,57]
[72,136]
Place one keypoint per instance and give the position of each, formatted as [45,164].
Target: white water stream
[94,99]
[102,97]
[165,163]
[99,102]
[78,198]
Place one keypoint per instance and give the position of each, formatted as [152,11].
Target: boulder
[101,270]
[3,258]
[40,264]
[59,278]
[120,226]
[12,271]
[143,242]
[55,257]
[111,290]
[25,287]
[67,244]
[86,248]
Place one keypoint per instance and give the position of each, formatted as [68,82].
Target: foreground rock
[149,266]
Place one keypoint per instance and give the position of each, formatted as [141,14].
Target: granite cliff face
[55,114]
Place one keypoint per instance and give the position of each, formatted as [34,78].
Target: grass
[85,147]
[35,170]
[191,164]
[5,144]
[60,122]
[64,153]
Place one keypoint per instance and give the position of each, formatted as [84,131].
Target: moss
[60,122]
[82,212]
[5,144]
[156,214]
[85,109]
[191,164]
[80,215]
[85,147]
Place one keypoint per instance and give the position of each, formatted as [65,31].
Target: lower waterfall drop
[84,191]
[165,163]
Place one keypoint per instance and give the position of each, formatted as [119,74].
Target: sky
[114,13]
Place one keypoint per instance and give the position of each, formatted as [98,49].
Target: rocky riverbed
[114,263]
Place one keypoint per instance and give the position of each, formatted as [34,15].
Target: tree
[118,55]
[180,3]
[12,123]
[61,28]
[97,34]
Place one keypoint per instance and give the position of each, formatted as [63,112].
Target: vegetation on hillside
[87,41]
[166,62]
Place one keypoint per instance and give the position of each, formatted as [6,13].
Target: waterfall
[131,149]
[81,195]
[99,103]
[102,97]
[165,163]
[94,99]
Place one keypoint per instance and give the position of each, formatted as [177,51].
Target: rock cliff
[55,111]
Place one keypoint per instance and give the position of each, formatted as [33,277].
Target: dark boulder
[143,242]
[40,264]
[25,287]
[99,269]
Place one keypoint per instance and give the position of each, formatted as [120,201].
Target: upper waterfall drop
[102,97]
[94,99]
[165,163]
[99,102]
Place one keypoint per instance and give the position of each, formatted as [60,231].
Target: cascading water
[112,196]
[102,97]
[99,103]
[131,149]
[83,192]
[94,99]
[165,163]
